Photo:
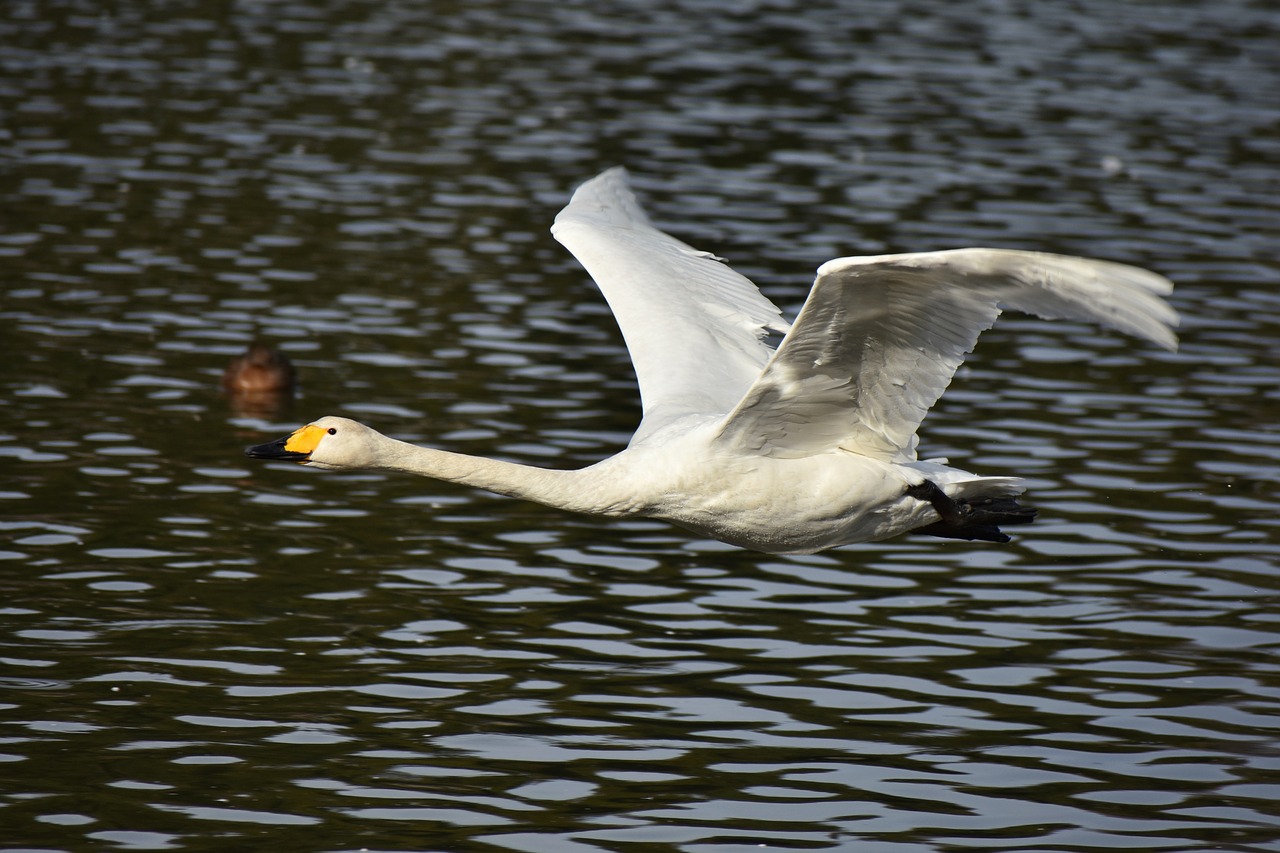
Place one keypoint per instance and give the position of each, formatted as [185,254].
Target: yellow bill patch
[305,439]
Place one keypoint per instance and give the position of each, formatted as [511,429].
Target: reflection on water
[203,654]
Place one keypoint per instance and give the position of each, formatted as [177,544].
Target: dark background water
[201,653]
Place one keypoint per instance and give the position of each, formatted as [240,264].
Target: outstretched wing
[879,339]
[695,328]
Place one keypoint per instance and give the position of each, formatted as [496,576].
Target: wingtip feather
[1127,298]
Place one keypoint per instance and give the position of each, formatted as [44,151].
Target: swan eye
[333,430]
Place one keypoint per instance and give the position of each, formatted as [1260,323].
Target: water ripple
[199,649]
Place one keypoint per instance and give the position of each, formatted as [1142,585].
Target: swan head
[327,443]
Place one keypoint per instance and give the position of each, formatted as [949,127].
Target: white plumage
[807,447]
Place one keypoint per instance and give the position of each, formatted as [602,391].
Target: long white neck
[585,490]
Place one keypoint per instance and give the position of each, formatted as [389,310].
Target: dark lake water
[199,652]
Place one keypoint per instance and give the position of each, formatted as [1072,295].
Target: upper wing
[879,339]
[695,328]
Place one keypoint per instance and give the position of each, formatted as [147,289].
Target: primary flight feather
[793,450]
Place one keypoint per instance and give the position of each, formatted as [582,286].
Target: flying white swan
[793,450]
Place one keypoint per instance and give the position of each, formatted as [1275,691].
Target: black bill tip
[275,450]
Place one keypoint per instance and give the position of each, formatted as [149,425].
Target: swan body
[793,449]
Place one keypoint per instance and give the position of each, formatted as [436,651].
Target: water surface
[205,653]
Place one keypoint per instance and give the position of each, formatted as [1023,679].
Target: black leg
[932,493]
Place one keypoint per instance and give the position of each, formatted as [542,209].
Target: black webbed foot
[978,519]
